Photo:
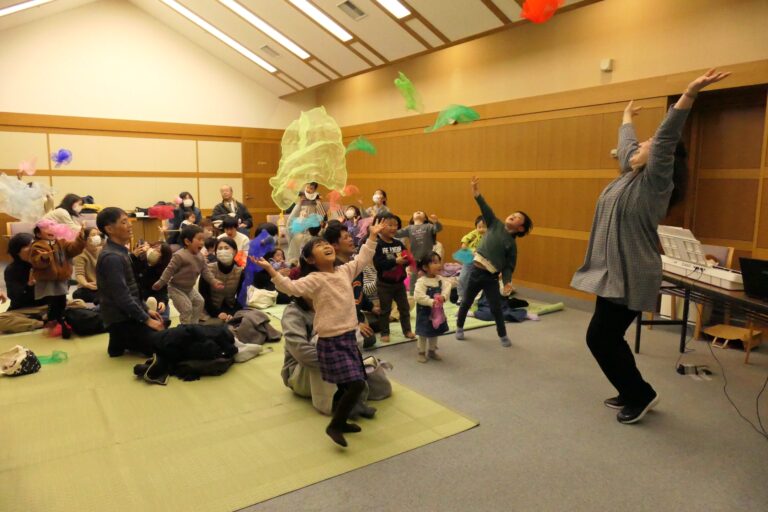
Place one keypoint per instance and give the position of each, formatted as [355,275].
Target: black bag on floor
[84,321]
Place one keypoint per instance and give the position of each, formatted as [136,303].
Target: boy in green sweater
[496,254]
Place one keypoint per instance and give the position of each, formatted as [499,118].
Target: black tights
[56,306]
[349,394]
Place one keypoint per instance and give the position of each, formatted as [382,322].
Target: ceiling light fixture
[266,28]
[397,9]
[321,18]
[218,34]
[23,6]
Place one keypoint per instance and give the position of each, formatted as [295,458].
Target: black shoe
[336,435]
[140,370]
[66,331]
[634,413]
[614,403]
[350,428]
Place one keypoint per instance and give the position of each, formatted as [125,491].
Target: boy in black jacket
[390,265]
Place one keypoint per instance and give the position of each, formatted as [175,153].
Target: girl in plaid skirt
[328,288]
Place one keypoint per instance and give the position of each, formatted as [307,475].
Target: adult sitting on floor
[301,366]
[149,262]
[24,312]
[229,208]
[85,268]
[337,234]
[126,317]
[222,304]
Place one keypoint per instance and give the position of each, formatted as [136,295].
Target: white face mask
[376,198]
[225,256]
[311,196]
[187,203]
[153,257]
[350,214]
[95,240]
[77,208]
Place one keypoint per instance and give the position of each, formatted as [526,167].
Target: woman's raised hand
[710,77]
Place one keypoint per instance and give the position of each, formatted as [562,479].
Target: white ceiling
[379,38]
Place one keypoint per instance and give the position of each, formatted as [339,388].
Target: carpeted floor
[85,435]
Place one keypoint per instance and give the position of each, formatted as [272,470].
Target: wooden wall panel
[732,137]
[762,234]
[726,209]
[260,161]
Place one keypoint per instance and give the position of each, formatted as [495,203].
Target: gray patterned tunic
[622,261]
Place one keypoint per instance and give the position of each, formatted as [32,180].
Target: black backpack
[84,321]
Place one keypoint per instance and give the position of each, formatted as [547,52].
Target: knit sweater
[119,298]
[85,267]
[331,293]
[184,269]
[62,216]
[498,245]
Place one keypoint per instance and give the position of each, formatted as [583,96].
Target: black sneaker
[634,413]
[614,403]
[156,372]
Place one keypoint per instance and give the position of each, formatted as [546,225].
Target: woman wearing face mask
[622,265]
[180,214]
[222,304]
[85,267]
[352,218]
[379,204]
[309,203]
[68,212]
[149,262]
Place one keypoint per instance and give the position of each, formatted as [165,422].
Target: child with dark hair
[19,281]
[85,268]
[68,212]
[496,256]
[390,261]
[431,289]
[277,260]
[422,233]
[229,225]
[329,287]
[52,260]
[181,274]
[209,251]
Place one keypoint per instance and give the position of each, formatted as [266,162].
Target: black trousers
[605,338]
[397,292]
[86,295]
[132,336]
[56,306]
[482,280]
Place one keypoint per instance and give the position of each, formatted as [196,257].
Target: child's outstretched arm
[367,251]
[76,246]
[488,216]
[210,279]
[420,294]
[304,287]
[168,273]
[436,226]
[40,256]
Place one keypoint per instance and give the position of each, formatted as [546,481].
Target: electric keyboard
[716,276]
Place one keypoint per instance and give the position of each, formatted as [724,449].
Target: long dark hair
[306,253]
[69,201]
[679,176]
[165,255]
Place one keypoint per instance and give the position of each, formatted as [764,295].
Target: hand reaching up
[374,230]
[475,186]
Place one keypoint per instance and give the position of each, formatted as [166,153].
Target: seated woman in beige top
[85,267]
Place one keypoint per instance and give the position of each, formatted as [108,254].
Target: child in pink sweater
[329,289]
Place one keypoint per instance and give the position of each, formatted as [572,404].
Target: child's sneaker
[434,355]
[459,333]
[422,357]
[54,332]
[505,342]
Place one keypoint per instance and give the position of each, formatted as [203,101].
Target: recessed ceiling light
[218,34]
[397,9]
[266,28]
[22,7]
[321,18]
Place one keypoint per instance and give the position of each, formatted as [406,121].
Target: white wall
[109,59]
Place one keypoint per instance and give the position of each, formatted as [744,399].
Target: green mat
[396,333]
[85,435]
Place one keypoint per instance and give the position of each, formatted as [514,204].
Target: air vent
[269,51]
[352,10]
